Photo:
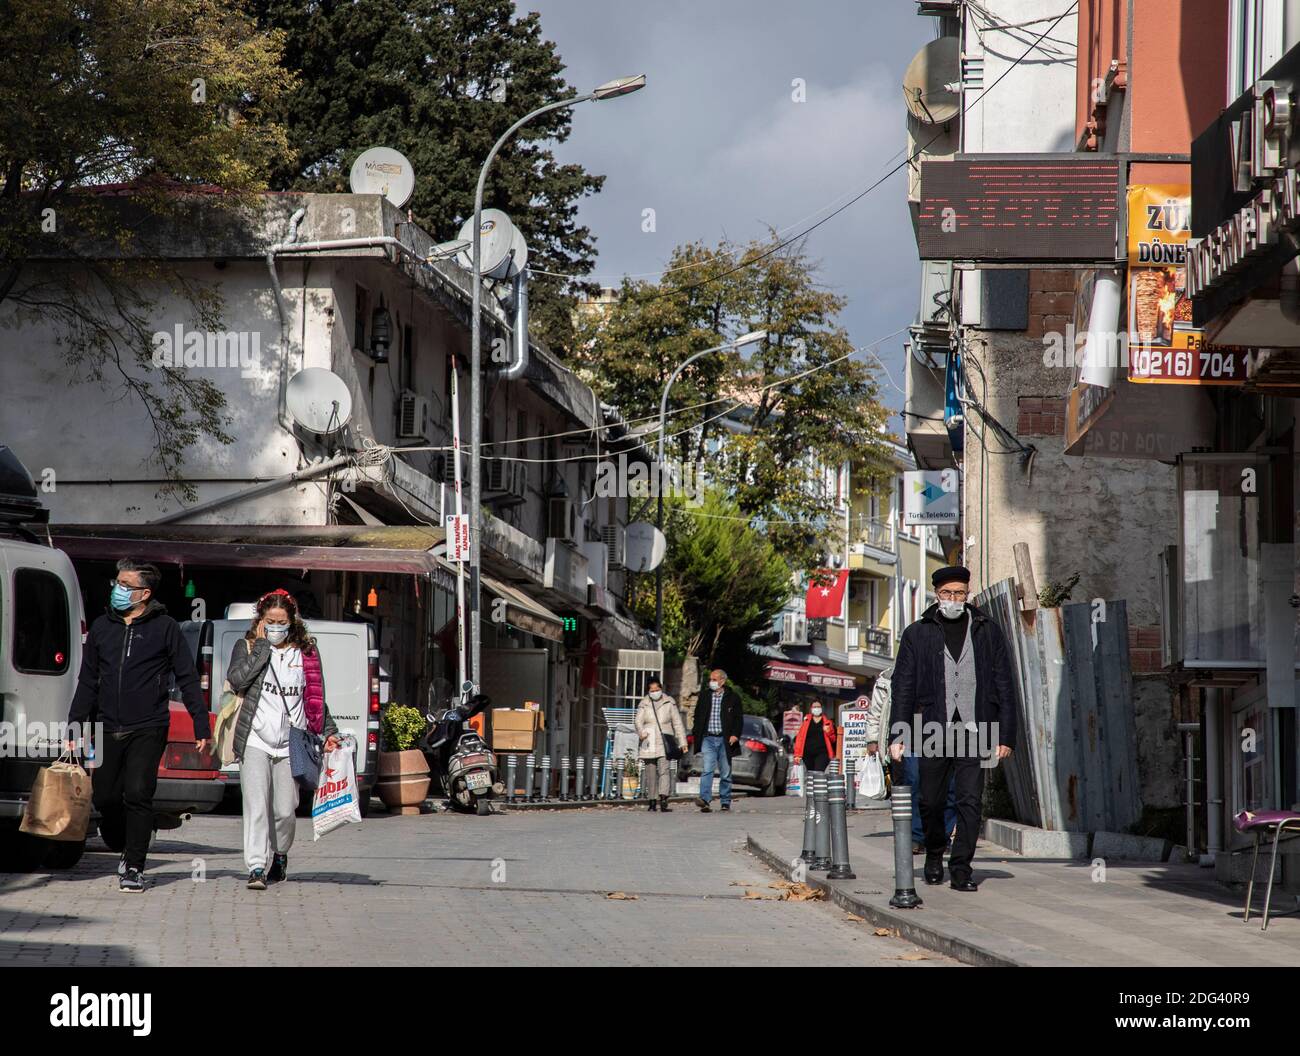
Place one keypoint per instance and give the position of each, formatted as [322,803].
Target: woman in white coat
[656,716]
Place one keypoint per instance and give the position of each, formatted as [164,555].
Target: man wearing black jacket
[719,722]
[954,672]
[130,656]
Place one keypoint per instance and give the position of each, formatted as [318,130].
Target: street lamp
[752,337]
[609,90]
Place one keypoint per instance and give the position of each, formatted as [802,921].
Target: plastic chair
[1260,823]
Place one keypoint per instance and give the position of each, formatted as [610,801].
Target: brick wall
[1040,416]
[1051,301]
[1144,649]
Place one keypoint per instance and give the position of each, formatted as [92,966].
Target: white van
[349,663]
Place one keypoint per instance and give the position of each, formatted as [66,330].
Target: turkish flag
[825,594]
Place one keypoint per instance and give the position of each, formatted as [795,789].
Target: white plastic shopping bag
[871,777]
[336,802]
[794,780]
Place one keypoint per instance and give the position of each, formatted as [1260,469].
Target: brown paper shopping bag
[60,805]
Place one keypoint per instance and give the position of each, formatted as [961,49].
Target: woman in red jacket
[815,744]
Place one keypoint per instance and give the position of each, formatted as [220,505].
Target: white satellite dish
[929,86]
[518,253]
[382,170]
[318,400]
[497,236]
[644,547]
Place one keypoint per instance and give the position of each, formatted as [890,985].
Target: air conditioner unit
[496,474]
[562,520]
[794,629]
[612,535]
[413,416]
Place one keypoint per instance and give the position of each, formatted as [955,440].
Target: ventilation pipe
[520,295]
[1102,345]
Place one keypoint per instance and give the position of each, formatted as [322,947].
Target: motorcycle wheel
[482,807]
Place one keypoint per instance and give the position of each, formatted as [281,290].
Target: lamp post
[740,342]
[609,90]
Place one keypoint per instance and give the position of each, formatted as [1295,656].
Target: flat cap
[951,574]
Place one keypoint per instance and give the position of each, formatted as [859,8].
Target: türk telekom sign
[1245,193]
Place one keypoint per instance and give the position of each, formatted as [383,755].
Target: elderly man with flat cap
[954,672]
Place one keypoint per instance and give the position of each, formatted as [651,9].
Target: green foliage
[440,82]
[1057,593]
[166,95]
[401,727]
[826,416]
[641,600]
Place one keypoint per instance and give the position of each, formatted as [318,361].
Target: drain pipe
[1212,700]
[282,396]
[517,368]
[275,484]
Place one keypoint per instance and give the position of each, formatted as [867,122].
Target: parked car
[42,627]
[763,762]
[350,663]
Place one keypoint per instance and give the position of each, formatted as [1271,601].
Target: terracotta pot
[403,781]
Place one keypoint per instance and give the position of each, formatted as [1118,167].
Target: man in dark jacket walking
[130,656]
[954,671]
[719,722]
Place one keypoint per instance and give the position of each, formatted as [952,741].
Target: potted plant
[403,770]
[631,780]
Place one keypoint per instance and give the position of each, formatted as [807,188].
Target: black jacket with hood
[918,681]
[127,669]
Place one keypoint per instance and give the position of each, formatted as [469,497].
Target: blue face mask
[120,599]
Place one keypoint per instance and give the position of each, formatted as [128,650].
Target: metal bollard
[822,834]
[905,896]
[564,779]
[839,826]
[672,777]
[530,769]
[616,786]
[809,851]
[850,785]
[832,767]
[580,778]
[546,779]
[640,779]
[595,777]
[510,778]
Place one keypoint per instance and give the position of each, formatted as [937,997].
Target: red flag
[825,594]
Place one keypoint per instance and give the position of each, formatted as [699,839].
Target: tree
[162,97]
[725,577]
[441,80]
[765,426]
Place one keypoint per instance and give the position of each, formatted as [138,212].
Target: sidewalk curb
[909,924]
[576,804]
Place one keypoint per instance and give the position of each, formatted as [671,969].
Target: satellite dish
[518,253]
[382,170]
[318,400]
[497,235]
[644,547]
[931,79]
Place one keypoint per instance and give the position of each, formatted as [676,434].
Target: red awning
[808,675]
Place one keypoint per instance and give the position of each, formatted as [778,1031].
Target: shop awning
[344,548]
[815,676]
[524,612]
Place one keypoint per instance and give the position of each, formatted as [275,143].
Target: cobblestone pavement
[520,889]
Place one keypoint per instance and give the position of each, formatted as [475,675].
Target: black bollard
[510,778]
[809,851]
[530,770]
[850,784]
[616,786]
[580,778]
[839,826]
[822,836]
[905,896]
[546,779]
[564,779]
[596,761]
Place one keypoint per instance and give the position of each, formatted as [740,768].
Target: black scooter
[461,762]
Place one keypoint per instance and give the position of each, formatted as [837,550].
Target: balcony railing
[868,638]
[873,533]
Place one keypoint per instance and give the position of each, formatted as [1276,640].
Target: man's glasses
[952,595]
[124,586]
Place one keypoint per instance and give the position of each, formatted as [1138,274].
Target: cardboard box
[515,729]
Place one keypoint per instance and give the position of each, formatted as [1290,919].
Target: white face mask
[952,609]
[816,712]
[276,632]
[655,694]
[714,686]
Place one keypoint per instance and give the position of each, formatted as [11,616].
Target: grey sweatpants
[660,768]
[270,798]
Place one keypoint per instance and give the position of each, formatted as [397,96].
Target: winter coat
[670,719]
[828,731]
[878,708]
[918,682]
[127,669]
[245,674]
[733,719]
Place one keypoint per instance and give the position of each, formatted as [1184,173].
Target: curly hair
[282,599]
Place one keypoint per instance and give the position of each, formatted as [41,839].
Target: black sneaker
[257,880]
[726,807]
[279,869]
[131,881]
[121,867]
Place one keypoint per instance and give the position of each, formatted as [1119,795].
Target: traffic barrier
[822,835]
[839,826]
[905,896]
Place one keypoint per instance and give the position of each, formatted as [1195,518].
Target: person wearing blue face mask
[131,655]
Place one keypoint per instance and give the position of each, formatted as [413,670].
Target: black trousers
[967,777]
[123,788]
